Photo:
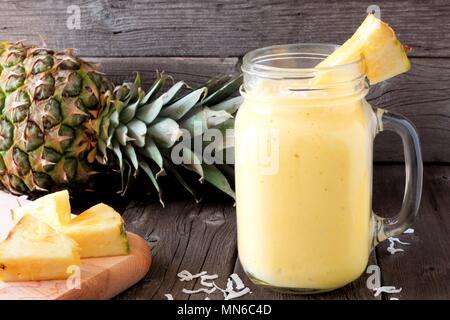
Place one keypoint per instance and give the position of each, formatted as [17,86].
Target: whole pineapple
[61,121]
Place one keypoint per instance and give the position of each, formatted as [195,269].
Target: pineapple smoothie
[303,160]
[308,225]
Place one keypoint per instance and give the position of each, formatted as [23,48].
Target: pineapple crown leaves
[138,129]
[59,116]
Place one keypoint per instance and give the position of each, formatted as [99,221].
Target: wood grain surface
[216,28]
[186,236]
[423,270]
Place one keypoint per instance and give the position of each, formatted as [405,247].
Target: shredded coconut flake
[229,285]
[391,249]
[394,298]
[398,241]
[169,296]
[229,292]
[187,276]
[235,286]
[239,284]
[237,294]
[386,289]
[409,231]
[206,277]
[220,289]
[199,290]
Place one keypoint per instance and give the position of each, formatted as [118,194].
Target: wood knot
[215,219]
[152,240]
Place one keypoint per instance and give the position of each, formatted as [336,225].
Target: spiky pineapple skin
[62,121]
[48,102]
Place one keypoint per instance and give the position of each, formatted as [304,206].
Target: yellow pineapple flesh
[53,209]
[35,251]
[374,40]
[99,231]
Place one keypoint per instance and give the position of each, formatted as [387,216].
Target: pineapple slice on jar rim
[383,54]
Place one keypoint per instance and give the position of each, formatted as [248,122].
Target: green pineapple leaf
[180,107]
[215,177]
[149,173]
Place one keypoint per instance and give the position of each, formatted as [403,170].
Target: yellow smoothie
[304,220]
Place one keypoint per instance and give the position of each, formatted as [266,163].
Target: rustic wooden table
[193,40]
[197,237]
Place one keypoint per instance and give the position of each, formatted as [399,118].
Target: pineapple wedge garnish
[384,55]
[99,231]
[53,209]
[35,251]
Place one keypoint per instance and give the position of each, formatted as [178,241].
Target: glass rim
[252,61]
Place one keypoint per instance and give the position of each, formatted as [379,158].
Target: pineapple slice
[53,209]
[384,55]
[99,231]
[35,251]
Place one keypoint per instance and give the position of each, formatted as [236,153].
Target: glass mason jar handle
[388,227]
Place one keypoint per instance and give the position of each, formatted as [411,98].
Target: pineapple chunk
[35,251]
[99,231]
[53,209]
[384,55]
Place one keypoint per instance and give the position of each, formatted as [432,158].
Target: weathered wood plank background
[194,40]
[196,28]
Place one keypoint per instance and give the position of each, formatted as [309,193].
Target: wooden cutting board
[101,278]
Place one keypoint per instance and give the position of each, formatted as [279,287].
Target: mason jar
[303,160]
